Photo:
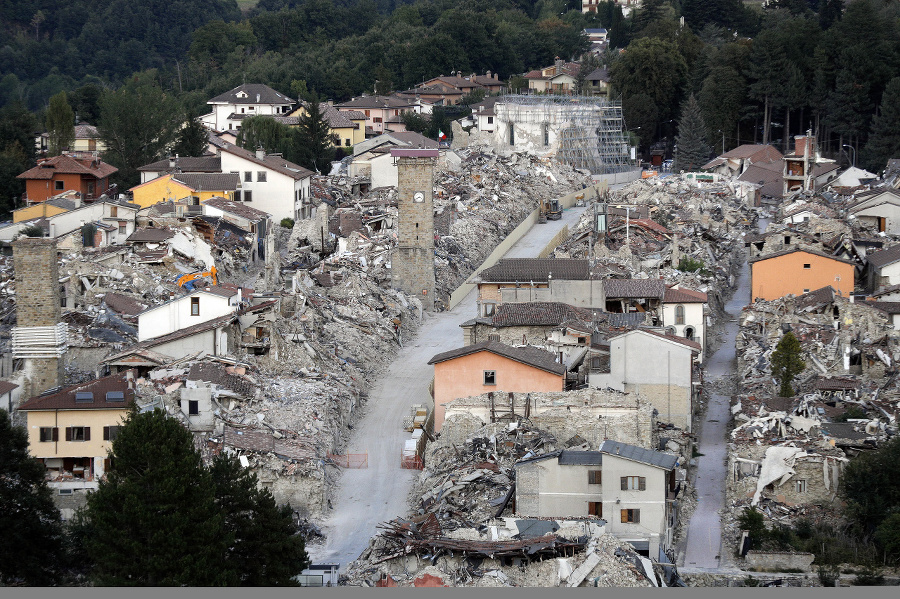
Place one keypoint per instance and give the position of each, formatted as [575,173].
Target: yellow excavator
[187,281]
[550,210]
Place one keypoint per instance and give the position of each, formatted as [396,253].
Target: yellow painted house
[51,207]
[348,126]
[177,186]
[72,430]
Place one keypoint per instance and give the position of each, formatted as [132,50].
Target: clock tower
[412,262]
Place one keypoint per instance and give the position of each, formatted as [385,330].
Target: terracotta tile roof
[68,165]
[150,235]
[768,175]
[209,181]
[886,307]
[835,384]
[538,314]
[276,163]
[238,209]
[884,257]
[798,249]
[756,152]
[647,223]
[531,356]
[186,164]
[823,295]
[524,270]
[684,296]
[64,399]
[216,374]
[266,94]
[6,387]
[634,288]
[123,304]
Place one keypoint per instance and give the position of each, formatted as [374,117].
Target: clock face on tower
[419,196]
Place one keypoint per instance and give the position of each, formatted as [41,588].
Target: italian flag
[441,135]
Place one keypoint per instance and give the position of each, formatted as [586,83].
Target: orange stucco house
[88,176]
[797,271]
[492,366]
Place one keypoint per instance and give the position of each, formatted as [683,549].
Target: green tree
[138,123]
[884,142]
[787,363]
[266,550]
[314,140]
[753,522]
[193,139]
[653,67]
[691,150]
[60,123]
[871,487]
[154,520]
[721,99]
[264,132]
[413,121]
[30,524]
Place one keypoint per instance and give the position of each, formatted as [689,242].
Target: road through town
[366,497]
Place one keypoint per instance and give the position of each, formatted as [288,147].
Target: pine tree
[30,524]
[787,364]
[315,142]
[692,151]
[267,550]
[154,521]
[884,142]
[60,123]
[193,138]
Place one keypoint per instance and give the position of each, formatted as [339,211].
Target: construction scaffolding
[588,132]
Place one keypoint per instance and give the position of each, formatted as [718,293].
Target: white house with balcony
[249,99]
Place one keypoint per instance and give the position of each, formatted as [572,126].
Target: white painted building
[198,307]
[684,315]
[114,222]
[271,183]
[879,208]
[250,99]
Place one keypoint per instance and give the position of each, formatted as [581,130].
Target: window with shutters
[632,516]
[634,483]
[49,433]
[594,477]
[78,433]
[110,433]
[595,508]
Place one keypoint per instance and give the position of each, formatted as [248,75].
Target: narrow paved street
[704,539]
[378,493]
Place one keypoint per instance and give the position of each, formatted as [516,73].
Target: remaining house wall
[279,195]
[777,561]
[176,315]
[547,489]
[95,419]
[383,171]
[464,377]
[652,502]
[888,275]
[205,420]
[158,190]
[783,275]
[693,318]
[580,294]
[205,343]
[886,210]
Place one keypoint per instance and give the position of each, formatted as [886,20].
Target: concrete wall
[783,275]
[886,276]
[464,377]
[567,201]
[383,171]
[205,420]
[554,243]
[546,488]
[778,561]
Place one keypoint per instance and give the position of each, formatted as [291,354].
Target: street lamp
[853,158]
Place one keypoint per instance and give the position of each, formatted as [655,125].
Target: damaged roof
[884,257]
[798,249]
[150,235]
[237,208]
[634,453]
[530,356]
[634,288]
[103,393]
[537,314]
[523,270]
[217,375]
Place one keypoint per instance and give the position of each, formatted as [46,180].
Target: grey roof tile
[532,356]
[524,270]
[634,453]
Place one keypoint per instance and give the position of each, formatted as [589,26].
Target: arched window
[689,333]
[679,314]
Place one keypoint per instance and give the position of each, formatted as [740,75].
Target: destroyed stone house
[631,488]
[797,271]
[492,366]
[671,386]
[522,279]
[256,224]
[878,208]
[805,169]
[71,430]
[736,162]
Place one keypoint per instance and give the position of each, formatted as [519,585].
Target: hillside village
[591,348]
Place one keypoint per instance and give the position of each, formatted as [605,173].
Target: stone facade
[779,561]
[412,264]
[38,305]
